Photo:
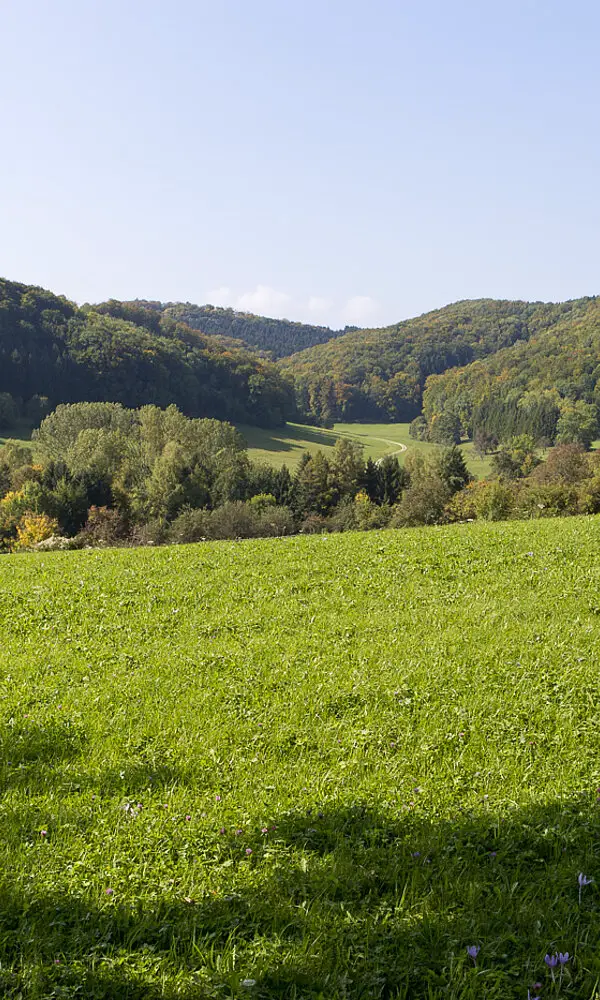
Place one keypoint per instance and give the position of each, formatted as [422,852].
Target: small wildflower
[416,854]
[188,818]
[248,851]
[239,833]
[493,854]
[583,881]
[43,833]
[222,830]
[563,959]
[551,961]
[473,951]
[109,892]
[217,798]
[264,829]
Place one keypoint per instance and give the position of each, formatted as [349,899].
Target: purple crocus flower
[551,961]
[248,850]
[563,959]
[473,951]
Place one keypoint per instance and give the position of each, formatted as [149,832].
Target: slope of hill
[280,337]
[49,347]
[380,374]
[313,767]
[547,385]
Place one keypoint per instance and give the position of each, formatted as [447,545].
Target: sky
[331,161]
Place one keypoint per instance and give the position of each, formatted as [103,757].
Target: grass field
[19,434]
[285,445]
[315,767]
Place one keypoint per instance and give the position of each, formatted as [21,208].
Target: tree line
[102,474]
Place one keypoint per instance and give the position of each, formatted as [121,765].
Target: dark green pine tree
[453,470]
[370,481]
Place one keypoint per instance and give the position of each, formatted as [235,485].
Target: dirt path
[400,449]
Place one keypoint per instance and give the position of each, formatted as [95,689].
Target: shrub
[567,463]
[315,524]
[589,496]
[235,519]
[189,526]
[262,501]
[33,529]
[26,474]
[104,526]
[275,522]
[154,532]
[463,505]
[422,503]
[496,502]
[546,500]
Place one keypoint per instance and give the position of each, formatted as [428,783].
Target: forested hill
[547,386]
[381,374]
[280,337]
[51,348]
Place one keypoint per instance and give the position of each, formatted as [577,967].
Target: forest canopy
[52,349]
[381,374]
[280,337]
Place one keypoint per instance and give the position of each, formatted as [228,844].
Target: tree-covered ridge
[548,387]
[381,374]
[51,348]
[280,337]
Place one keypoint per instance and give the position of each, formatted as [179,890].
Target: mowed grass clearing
[315,767]
[284,446]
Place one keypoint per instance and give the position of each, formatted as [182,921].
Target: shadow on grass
[30,752]
[340,903]
[293,439]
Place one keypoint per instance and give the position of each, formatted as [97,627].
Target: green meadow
[316,767]
[284,446]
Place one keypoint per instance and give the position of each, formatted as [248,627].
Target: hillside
[280,337]
[303,768]
[51,348]
[381,374]
[548,386]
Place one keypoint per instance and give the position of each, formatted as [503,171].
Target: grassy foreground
[314,767]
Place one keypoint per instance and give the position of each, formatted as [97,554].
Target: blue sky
[335,161]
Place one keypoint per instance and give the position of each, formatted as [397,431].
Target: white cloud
[360,310]
[264,300]
[222,296]
[317,303]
